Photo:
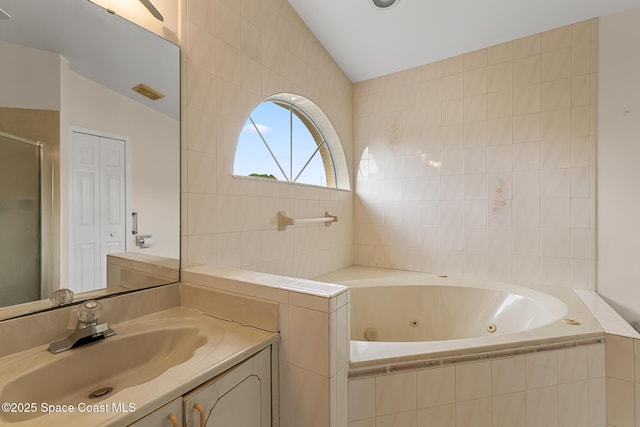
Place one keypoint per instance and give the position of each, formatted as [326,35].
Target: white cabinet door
[170,415]
[241,397]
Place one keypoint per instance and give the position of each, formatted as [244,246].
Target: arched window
[288,138]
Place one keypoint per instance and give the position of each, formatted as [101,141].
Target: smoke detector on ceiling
[383,4]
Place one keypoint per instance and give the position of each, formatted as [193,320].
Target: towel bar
[284,220]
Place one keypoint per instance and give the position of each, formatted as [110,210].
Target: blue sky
[273,122]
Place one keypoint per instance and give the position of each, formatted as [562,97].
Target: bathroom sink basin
[150,362]
[99,370]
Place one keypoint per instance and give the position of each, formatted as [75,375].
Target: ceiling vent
[147,91]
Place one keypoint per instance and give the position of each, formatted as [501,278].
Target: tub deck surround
[552,375]
[388,367]
[259,284]
[610,320]
[314,345]
[229,344]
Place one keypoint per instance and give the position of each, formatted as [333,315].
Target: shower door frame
[49,251]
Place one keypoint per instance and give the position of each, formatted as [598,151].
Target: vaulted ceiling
[368,42]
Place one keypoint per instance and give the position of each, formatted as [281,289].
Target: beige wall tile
[597,402]
[371,422]
[580,90]
[541,370]
[500,104]
[500,131]
[431,71]
[227,26]
[452,86]
[309,398]
[557,38]
[474,413]
[555,95]
[251,311]
[556,64]
[527,46]
[395,393]
[500,53]
[620,402]
[436,387]
[542,407]
[475,108]
[555,124]
[573,399]
[619,357]
[407,419]
[476,59]
[500,76]
[438,416]
[309,339]
[508,375]
[526,71]
[452,65]
[581,60]
[361,399]
[509,410]
[475,81]
[526,99]
[473,381]
[581,32]
[527,128]
[236,54]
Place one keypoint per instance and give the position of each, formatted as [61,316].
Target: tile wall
[549,388]
[235,54]
[623,381]
[482,165]
[314,347]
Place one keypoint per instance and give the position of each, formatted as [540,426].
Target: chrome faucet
[87,330]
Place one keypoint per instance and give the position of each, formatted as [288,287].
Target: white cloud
[262,128]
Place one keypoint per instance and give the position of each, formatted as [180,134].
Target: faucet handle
[61,297]
[89,311]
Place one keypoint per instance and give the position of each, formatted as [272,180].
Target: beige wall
[36,125]
[154,168]
[618,153]
[235,55]
[31,79]
[482,165]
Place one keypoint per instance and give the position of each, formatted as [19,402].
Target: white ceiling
[368,42]
[103,47]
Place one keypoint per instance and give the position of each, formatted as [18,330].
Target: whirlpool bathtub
[400,316]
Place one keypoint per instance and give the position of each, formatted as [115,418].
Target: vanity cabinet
[240,397]
[170,415]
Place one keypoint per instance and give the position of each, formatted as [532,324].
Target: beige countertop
[226,345]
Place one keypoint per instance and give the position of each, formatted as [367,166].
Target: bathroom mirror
[89,152]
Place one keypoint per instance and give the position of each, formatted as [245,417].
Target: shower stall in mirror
[26,199]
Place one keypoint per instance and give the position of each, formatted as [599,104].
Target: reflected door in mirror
[98,203]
